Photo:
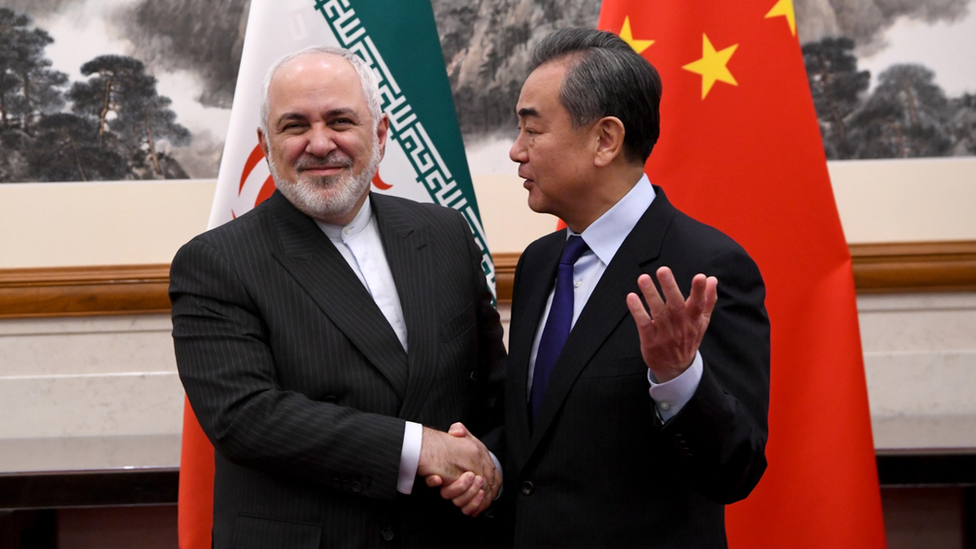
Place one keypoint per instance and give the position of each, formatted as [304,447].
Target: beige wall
[118,223]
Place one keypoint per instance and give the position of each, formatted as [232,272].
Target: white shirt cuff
[413,434]
[671,396]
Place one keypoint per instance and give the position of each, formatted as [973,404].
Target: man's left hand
[671,334]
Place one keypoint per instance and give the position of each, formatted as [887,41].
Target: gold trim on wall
[137,289]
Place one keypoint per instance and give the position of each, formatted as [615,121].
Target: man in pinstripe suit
[329,338]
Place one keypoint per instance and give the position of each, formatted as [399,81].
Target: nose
[517,152]
[321,141]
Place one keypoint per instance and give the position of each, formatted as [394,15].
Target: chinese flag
[740,150]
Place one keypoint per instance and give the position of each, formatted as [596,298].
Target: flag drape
[425,159]
[740,149]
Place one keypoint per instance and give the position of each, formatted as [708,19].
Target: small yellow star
[627,36]
[784,8]
[712,65]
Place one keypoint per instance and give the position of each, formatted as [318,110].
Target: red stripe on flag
[256,155]
[266,190]
[195,511]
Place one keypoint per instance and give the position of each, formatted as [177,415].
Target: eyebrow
[344,111]
[527,111]
[289,116]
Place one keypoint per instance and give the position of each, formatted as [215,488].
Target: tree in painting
[116,122]
[906,116]
[131,116]
[836,86]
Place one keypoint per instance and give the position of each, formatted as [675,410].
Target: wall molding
[84,291]
[139,289]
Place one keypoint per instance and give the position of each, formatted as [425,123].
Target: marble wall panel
[94,345]
[138,403]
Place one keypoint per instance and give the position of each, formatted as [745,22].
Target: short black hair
[606,77]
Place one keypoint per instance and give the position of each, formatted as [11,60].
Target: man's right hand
[460,463]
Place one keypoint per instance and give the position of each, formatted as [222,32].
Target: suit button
[388,534]
[356,486]
[527,488]
[473,376]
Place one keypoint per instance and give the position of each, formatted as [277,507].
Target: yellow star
[711,66]
[626,35]
[784,8]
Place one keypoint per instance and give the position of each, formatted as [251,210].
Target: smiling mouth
[322,169]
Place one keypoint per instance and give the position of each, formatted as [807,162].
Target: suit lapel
[408,254]
[315,263]
[605,309]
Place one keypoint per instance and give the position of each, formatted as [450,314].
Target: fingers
[654,301]
[458,430]
[669,287]
[476,505]
[641,318]
[434,481]
[711,296]
[457,488]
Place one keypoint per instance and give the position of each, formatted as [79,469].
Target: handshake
[461,465]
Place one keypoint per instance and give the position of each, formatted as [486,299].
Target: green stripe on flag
[400,39]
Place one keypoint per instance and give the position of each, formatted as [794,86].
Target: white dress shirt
[604,237]
[360,245]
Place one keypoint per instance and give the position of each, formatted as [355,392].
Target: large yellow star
[627,36]
[784,8]
[711,66]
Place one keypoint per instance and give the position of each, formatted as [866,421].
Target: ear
[609,135]
[382,132]
[263,142]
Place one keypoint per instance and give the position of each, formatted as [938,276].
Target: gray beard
[328,197]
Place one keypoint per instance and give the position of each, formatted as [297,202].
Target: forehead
[311,80]
[540,93]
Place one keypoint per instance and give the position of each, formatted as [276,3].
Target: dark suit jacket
[599,469]
[302,386]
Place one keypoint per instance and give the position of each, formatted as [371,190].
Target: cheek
[291,148]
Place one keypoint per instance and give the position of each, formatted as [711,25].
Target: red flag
[740,150]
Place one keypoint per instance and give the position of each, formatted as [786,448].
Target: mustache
[333,159]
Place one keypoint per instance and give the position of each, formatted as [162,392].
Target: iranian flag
[740,150]
[424,159]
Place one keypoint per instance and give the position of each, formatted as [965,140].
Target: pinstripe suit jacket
[599,469]
[302,386]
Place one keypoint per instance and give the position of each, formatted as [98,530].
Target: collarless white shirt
[360,244]
[604,238]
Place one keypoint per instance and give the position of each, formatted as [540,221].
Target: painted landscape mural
[94,90]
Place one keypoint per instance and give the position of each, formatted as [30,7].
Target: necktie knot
[575,247]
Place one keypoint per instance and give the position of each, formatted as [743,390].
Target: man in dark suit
[329,338]
[638,427]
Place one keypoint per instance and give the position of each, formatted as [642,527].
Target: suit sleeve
[718,439]
[228,370]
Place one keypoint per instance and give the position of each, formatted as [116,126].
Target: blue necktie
[558,324]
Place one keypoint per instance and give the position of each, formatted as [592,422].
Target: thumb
[458,430]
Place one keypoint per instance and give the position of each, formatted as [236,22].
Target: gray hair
[606,77]
[366,77]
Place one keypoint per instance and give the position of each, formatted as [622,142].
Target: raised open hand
[671,334]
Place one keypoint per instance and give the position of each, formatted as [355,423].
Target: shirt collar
[605,235]
[356,226]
